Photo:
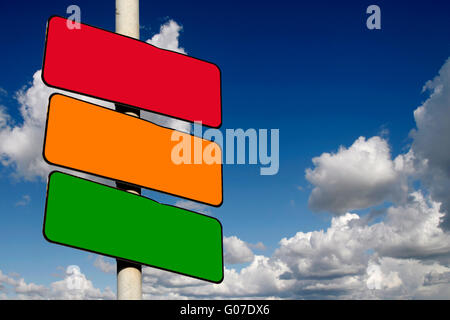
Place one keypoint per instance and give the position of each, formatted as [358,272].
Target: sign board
[113,67]
[100,141]
[97,218]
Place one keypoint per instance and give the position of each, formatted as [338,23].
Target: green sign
[101,219]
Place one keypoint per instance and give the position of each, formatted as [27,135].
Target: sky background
[359,206]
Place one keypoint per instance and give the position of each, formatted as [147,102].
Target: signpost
[136,153]
[129,275]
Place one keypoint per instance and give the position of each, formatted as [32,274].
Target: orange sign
[96,140]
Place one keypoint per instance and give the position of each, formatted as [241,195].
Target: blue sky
[310,69]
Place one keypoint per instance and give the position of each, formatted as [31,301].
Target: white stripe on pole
[129,276]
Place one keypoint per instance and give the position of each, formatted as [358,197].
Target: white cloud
[350,260]
[21,144]
[403,256]
[30,290]
[236,251]
[434,277]
[411,230]
[336,252]
[408,231]
[390,278]
[376,279]
[259,279]
[105,266]
[356,178]
[5,279]
[432,138]
[75,285]
[257,246]
[167,38]
[408,251]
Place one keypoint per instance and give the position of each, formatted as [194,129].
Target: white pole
[127,18]
[129,275]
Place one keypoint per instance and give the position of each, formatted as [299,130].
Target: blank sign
[97,218]
[89,138]
[124,70]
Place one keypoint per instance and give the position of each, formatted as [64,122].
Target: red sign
[117,68]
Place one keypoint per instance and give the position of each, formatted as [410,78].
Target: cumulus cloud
[377,279]
[259,279]
[408,231]
[407,252]
[257,246]
[357,177]
[336,252]
[434,277]
[390,278]
[432,138]
[105,266]
[167,38]
[236,251]
[75,285]
[411,230]
[352,259]
[21,143]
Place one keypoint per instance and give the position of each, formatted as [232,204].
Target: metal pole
[129,275]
